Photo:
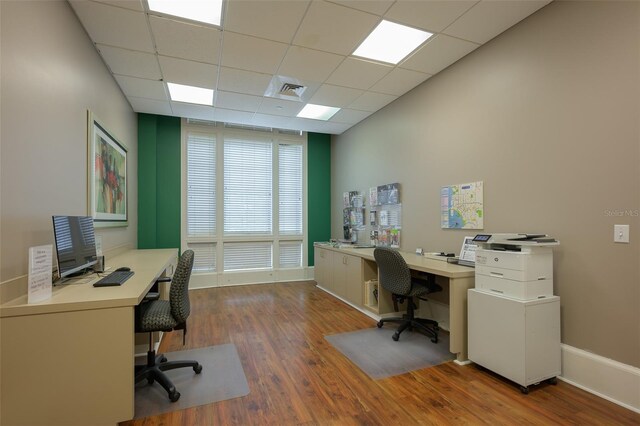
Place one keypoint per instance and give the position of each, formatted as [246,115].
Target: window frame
[219,131]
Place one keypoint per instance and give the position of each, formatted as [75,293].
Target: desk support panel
[49,377]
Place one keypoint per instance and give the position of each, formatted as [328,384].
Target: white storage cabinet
[518,339]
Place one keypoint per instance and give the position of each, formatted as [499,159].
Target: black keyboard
[114,278]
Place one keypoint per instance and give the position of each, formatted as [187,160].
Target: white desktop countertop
[415,261]
[146,264]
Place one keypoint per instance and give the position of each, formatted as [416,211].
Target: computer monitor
[75,244]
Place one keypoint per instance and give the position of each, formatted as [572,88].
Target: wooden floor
[297,378]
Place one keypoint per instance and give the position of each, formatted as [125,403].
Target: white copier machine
[515,265]
[514,318]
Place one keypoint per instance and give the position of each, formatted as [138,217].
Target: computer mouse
[124,268]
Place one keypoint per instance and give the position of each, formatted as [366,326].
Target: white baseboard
[604,377]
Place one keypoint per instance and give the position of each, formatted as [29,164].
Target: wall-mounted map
[462,206]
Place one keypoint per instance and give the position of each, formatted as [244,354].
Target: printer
[519,266]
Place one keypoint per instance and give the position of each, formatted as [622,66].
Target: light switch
[621,233]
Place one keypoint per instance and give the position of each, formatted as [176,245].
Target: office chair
[166,315]
[395,277]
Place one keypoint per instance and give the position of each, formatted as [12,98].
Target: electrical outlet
[620,233]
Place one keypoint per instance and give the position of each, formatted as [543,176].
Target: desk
[455,280]
[70,360]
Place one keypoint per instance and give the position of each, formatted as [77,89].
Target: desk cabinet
[339,273]
[323,268]
[347,277]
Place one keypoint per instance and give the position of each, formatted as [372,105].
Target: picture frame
[106,176]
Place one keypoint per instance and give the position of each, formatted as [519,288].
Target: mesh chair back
[179,292]
[394,274]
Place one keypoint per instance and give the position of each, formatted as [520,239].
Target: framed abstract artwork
[107,176]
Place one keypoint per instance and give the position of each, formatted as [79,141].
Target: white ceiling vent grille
[288,88]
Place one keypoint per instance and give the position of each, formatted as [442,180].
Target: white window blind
[245,256]
[290,254]
[201,185]
[204,256]
[290,186]
[247,187]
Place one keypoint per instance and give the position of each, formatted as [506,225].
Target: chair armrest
[151,296]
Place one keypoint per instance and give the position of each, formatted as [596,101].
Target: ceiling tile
[230,116]
[437,54]
[278,122]
[371,101]
[333,28]
[130,62]
[309,64]
[487,19]
[187,41]
[190,73]
[350,116]
[251,53]
[128,4]
[335,96]
[100,20]
[319,126]
[280,107]
[399,81]
[358,74]
[141,88]
[237,101]
[377,7]
[273,20]
[200,112]
[239,81]
[432,15]
[150,106]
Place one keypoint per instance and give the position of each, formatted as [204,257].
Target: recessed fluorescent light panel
[190,94]
[391,42]
[317,112]
[208,11]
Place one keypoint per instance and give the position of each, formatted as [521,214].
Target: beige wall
[51,75]
[547,115]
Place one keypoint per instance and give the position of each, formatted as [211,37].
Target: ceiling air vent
[290,89]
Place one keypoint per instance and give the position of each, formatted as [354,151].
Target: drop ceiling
[265,42]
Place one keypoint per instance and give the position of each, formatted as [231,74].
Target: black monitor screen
[75,243]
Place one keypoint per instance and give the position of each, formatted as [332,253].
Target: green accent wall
[158,181]
[318,189]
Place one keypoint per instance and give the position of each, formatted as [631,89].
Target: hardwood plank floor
[297,378]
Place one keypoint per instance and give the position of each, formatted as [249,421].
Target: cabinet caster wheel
[198,369]
[553,381]
[395,336]
[524,390]
[174,396]
[379,324]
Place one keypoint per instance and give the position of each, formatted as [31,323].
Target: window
[201,185]
[247,187]
[244,198]
[290,181]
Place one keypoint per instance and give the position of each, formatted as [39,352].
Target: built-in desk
[343,272]
[70,360]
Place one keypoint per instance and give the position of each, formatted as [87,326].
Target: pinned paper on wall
[40,267]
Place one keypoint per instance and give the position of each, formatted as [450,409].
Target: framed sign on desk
[107,176]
